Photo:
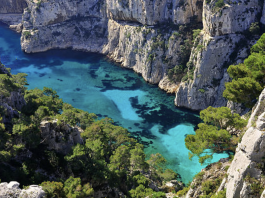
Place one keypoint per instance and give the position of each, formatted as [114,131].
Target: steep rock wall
[249,154]
[153,12]
[222,42]
[139,35]
[83,25]
[233,17]
[143,49]
[11,12]
[79,24]
[12,6]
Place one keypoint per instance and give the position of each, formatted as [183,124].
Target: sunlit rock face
[249,154]
[99,26]
[154,12]
[234,17]
[139,35]
[222,42]
[12,189]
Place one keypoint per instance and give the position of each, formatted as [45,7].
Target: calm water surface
[91,83]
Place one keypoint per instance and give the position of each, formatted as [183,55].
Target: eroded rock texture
[12,190]
[249,155]
[150,37]
[59,137]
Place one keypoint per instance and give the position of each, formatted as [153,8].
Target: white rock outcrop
[12,190]
[249,154]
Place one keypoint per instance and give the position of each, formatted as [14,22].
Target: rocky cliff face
[11,104]
[11,12]
[99,26]
[12,6]
[248,162]
[153,12]
[148,37]
[223,41]
[213,173]
[59,137]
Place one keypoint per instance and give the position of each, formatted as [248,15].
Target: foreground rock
[249,158]
[12,190]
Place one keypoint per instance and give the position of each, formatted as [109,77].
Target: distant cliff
[12,6]
[153,38]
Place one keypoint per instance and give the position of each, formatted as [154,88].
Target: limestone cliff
[248,162]
[12,6]
[223,41]
[96,26]
[149,37]
[154,12]
[11,12]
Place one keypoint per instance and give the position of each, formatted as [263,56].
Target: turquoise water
[90,82]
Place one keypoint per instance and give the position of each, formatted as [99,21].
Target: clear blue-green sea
[90,82]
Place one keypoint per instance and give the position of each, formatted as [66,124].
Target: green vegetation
[209,187]
[27,34]
[219,4]
[211,136]
[38,5]
[254,28]
[202,90]
[128,35]
[185,69]
[195,34]
[256,186]
[248,77]
[72,188]
[108,154]
[220,194]
[183,192]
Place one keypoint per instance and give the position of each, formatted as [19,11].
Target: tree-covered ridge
[248,77]
[107,158]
